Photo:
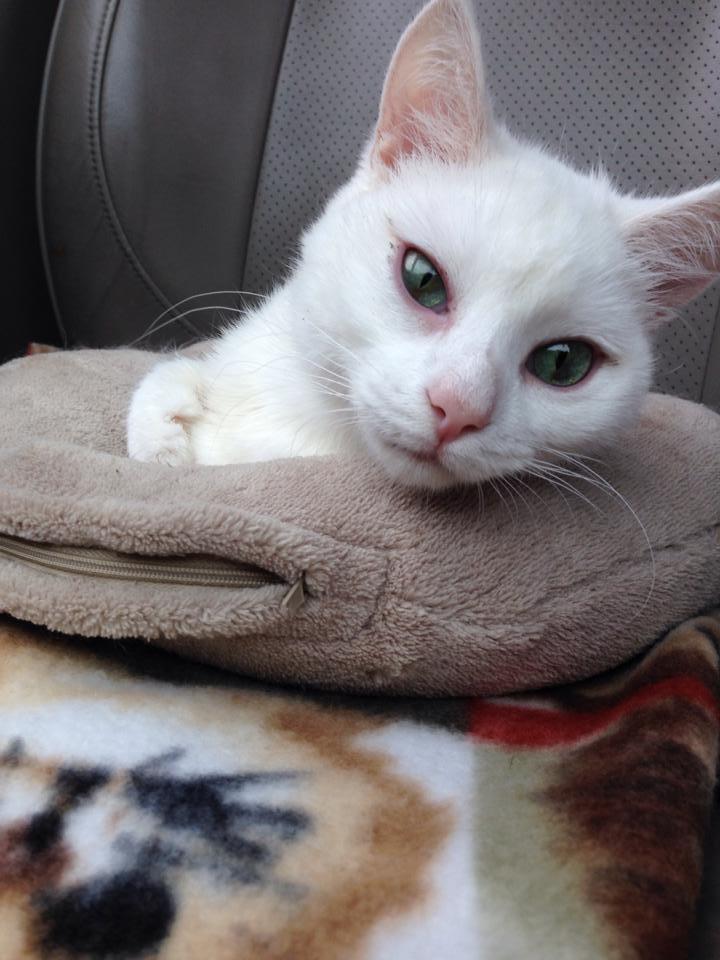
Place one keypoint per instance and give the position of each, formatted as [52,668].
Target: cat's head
[478,305]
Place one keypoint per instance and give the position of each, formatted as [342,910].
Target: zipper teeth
[97,562]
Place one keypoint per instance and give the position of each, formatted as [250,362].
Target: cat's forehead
[518,214]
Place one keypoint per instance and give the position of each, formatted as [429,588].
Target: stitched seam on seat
[98,167]
[39,171]
[97,73]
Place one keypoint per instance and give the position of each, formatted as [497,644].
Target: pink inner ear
[403,133]
[678,241]
[675,292]
[433,100]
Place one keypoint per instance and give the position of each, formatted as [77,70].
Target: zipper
[188,571]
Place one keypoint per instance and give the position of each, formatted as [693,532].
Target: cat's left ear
[434,101]
[677,243]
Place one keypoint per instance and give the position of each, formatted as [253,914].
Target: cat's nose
[455,417]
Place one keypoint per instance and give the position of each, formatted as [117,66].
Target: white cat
[466,307]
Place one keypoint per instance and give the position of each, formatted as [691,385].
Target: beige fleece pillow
[322,572]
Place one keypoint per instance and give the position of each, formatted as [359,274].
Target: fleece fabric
[153,809]
[467,592]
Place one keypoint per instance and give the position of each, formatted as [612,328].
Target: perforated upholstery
[326,101]
[633,84]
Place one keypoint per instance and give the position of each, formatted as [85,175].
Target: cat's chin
[424,471]
[421,476]
[421,470]
[412,468]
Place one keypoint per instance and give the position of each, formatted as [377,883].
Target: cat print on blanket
[465,308]
[148,818]
[236,842]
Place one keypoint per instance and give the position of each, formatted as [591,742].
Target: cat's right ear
[434,101]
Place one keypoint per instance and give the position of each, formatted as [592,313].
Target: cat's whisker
[602,483]
[328,387]
[605,484]
[352,422]
[341,385]
[328,370]
[195,296]
[558,470]
[180,316]
[351,415]
[578,456]
[547,470]
[309,423]
[548,480]
[528,487]
[512,480]
[332,411]
[565,484]
[255,369]
[332,376]
[341,346]
[274,359]
[303,426]
[506,486]
[669,373]
[501,498]
[334,396]
[481,500]
[296,377]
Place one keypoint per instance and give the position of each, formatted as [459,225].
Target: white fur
[339,359]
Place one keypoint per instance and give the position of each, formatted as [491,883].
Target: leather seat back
[27,315]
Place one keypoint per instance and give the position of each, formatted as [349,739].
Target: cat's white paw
[162,413]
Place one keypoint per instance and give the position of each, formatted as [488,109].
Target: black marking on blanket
[242,838]
[43,831]
[13,755]
[115,916]
[196,823]
[198,802]
[74,784]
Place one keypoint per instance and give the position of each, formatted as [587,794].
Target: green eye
[562,364]
[423,281]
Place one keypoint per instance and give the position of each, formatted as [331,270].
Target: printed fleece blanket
[150,808]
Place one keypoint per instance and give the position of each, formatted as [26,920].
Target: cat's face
[482,308]
[521,321]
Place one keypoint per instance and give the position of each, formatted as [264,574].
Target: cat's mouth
[437,468]
[419,456]
[418,467]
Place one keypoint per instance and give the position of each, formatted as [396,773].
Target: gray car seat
[183,145]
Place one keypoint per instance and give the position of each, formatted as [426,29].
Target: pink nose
[455,418]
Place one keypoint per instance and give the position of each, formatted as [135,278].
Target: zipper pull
[295,597]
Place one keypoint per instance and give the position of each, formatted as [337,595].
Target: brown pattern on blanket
[639,796]
[153,809]
[625,768]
